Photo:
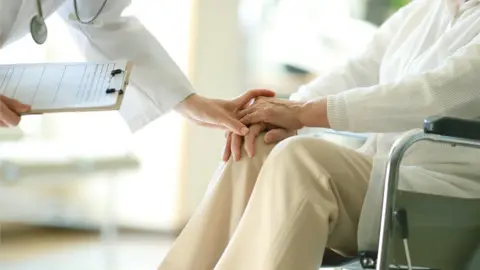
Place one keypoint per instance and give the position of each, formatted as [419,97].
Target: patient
[279,206]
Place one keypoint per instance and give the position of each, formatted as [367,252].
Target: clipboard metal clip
[113,90]
[115,72]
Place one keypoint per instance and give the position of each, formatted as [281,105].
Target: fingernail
[244,131]
[24,108]
[249,154]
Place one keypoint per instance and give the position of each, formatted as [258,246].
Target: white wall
[216,70]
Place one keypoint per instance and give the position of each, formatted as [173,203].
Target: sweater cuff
[337,112]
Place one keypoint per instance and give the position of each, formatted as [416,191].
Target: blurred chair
[53,164]
[423,231]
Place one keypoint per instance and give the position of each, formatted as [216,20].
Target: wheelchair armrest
[453,127]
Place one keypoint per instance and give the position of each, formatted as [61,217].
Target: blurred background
[80,191]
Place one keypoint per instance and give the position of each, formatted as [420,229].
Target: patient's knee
[300,147]
[243,172]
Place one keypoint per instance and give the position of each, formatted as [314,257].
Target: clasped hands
[277,119]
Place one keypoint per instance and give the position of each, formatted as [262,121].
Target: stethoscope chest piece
[38,29]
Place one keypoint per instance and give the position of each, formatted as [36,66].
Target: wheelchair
[422,231]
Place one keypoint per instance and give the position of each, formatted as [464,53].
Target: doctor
[157,84]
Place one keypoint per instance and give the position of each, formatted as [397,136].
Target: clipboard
[67,87]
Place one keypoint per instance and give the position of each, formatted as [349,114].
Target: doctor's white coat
[425,60]
[157,84]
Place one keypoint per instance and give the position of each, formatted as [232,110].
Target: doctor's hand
[10,110]
[219,113]
[234,143]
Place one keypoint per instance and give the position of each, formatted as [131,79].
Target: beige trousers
[276,211]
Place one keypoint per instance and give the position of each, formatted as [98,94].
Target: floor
[48,249]
[59,250]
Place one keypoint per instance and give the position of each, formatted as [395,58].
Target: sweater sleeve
[401,106]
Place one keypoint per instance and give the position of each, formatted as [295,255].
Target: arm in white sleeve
[360,71]
[158,82]
[402,106]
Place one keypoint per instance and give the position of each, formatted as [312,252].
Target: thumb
[15,105]
[251,94]
[276,135]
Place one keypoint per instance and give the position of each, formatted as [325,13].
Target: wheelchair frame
[391,183]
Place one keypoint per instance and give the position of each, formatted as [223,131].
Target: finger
[249,144]
[276,135]
[7,116]
[247,111]
[251,94]
[15,105]
[233,124]
[256,108]
[3,124]
[227,151]
[254,118]
[236,147]
[253,102]
[236,126]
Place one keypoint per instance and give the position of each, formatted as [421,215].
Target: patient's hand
[291,115]
[234,143]
[281,113]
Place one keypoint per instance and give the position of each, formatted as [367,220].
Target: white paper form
[62,86]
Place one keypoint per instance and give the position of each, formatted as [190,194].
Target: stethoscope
[38,27]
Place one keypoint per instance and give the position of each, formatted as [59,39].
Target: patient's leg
[308,195]
[208,232]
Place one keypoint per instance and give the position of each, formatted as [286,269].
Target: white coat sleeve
[402,106]
[360,71]
[158,83]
